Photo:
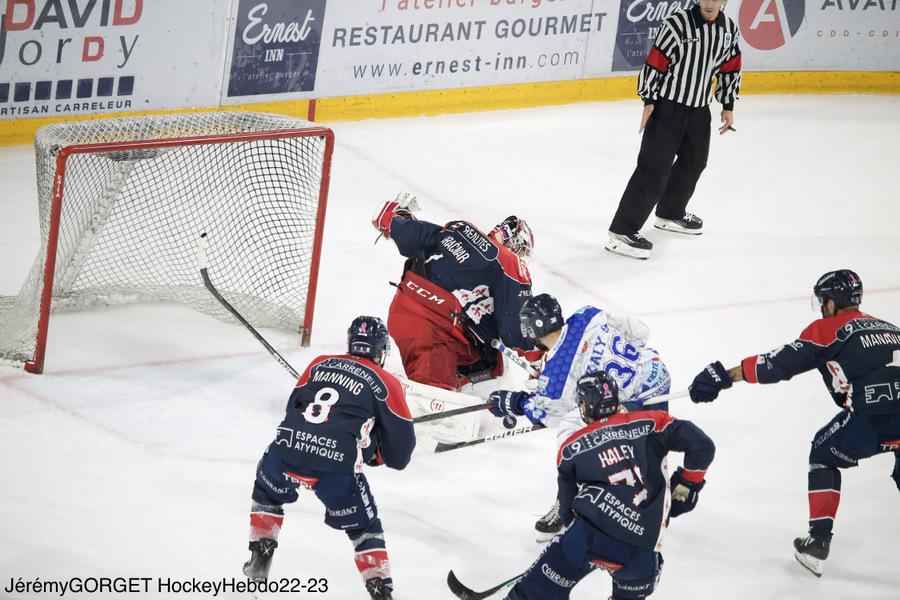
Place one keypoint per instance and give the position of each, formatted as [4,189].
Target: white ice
[134,454]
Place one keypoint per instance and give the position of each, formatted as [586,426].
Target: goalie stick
[464,593]
[423,390]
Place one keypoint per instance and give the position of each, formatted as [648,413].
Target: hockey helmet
[598,396]
[539,316]
[515,234]
[368,337]
[843,286]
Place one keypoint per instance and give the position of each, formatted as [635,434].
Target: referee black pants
[673,130]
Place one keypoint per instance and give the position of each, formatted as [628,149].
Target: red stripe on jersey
[661,420]
[748,366]
[823,332]
[657,60]
[823,504]
[732,65]
[694,476]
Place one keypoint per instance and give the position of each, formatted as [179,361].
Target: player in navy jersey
[614,495]
[346,410]
[460,290]
[590,340]
[858,357]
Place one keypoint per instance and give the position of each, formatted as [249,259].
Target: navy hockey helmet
[368,337]
[598,396]
[515,234]
[844,287]
[540,316]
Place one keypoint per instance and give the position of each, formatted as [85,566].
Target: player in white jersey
[590,340]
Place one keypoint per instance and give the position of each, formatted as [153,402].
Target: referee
[675,83]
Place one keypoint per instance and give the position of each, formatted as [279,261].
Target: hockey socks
[265,521]
[824,498]
[371,554]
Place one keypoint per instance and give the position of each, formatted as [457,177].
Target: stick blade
[459,590]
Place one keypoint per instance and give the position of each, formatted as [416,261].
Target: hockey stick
[511,355]
[666,398]
[426,391]
[446,447]
[464,593]
[201,260]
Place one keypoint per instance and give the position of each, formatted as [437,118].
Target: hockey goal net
[122,203]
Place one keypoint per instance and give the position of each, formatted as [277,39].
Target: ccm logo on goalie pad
[420,291]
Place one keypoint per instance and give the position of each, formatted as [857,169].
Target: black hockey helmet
[539,316]
[843,286]
[598,396]
[515,234]
[368,337]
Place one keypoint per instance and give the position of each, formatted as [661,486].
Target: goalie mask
[598,396]
[515,234]
[368,337]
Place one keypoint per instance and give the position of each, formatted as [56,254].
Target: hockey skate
[257,568]
[688,224]
[378,589]
[811,553]
[549,526]
[632,245]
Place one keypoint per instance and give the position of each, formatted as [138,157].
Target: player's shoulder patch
[396,396]
[824,332]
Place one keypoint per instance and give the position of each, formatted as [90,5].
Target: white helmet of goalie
[515,234]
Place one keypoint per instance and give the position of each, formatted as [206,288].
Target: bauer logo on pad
[276,46]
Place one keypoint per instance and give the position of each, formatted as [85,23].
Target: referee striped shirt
[687,53]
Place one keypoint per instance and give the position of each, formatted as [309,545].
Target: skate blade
[667,226]
[813,565]
[626,250]
[545,538]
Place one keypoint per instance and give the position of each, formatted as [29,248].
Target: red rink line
[137,365]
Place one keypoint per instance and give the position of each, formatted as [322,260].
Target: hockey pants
[580,550]
[841,444]
[349,506]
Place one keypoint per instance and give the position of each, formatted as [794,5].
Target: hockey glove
[507,403]
[685,493]
[709,382]
[534,410]
[403,206]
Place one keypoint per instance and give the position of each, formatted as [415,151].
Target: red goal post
[123,202]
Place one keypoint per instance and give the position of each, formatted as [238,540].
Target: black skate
[811,553]
[379,588]
[550,525]
[632,245]
[262,551]
[689,224]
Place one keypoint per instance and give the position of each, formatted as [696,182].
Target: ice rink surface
[134,454]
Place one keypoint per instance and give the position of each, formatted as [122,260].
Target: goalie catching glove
[516,404]
[403,206]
